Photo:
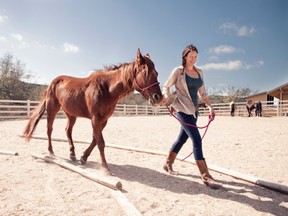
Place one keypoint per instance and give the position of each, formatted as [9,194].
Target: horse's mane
[115,67]
[126,72]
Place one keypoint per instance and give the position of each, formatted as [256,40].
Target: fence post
[28,107]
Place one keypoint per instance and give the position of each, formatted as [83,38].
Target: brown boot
[169,161]
[206,177]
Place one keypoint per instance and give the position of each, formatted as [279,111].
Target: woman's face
[191,58]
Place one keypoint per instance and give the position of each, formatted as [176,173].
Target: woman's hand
[164,101]
[212,113]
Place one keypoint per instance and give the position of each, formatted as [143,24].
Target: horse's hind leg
[70,123]
[52,110]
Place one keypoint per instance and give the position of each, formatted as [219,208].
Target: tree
[228,94]
[36,92]
[12,76]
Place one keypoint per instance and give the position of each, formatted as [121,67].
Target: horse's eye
[145,72]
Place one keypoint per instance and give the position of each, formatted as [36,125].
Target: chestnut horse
[94,97]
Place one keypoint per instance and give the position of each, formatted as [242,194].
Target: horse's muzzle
[156,99]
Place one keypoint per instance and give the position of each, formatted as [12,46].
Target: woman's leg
[193,133]
[175,148]
[181,139]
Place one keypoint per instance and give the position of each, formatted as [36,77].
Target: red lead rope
[211,118]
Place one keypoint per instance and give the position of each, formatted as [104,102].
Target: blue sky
[242,44]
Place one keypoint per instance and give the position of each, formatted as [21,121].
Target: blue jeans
[186,132]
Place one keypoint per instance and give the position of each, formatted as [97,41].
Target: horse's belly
[77,110]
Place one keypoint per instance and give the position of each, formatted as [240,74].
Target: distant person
[258,109]
[232,108]
[188,82]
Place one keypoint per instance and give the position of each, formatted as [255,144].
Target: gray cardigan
[182,101]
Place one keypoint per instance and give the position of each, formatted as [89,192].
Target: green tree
[12,77]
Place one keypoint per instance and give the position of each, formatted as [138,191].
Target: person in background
[189,82]
[258,109]
[232,108]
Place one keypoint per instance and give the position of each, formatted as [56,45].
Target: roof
[257,94]
[278,92]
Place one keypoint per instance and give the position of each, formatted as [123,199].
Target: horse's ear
[148,56]
[140,58]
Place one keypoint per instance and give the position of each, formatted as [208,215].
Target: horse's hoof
[107,172]
[82,161]
[73,157]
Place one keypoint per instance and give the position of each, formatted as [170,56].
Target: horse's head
[145,78]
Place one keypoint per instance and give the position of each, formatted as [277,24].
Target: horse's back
[68,80]
[69,93]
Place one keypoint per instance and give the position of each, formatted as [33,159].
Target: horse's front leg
[97,139]
[88,151]
[101,147]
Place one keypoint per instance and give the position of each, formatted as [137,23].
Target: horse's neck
[122,83]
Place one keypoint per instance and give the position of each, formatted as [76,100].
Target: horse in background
[94,97]
[250,106]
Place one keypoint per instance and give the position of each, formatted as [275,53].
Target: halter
[145,88]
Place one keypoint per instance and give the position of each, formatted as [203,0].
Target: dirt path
[255,146]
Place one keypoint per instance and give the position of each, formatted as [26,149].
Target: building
[274,102]
[281,93]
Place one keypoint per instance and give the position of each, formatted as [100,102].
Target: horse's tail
[34,119]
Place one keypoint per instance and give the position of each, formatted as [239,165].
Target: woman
[188,82]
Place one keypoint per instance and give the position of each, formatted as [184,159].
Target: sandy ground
[254,146]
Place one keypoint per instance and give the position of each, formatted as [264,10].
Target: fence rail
[13,109]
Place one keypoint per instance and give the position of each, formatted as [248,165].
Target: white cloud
[70,48]
[213,58]
[245,31]
[226,49]
[231,65]
[260,62]
[3,19]
[17,37]
[42,45]
[20,41]
[227,66]
[3,39]
[233,28]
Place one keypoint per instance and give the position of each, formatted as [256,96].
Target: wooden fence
[12,109]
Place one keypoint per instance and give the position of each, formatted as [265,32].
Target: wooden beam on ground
[125,204]
[7,152]
[260,182]
[107,181]
[254,180]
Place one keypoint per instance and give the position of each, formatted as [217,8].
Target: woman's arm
[168,84]
[204,96]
